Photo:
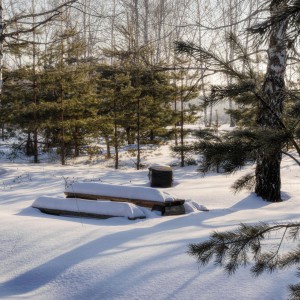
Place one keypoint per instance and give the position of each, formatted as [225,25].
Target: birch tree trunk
[268,183]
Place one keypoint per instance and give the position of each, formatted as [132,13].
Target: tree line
[62,92]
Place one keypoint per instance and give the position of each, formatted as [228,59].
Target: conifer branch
[231,249]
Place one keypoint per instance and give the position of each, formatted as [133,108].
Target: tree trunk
[29,145]
[138,138]
[35,131]
[107,141]
[2,131]
[268,183]
[1,45]
[116,147]
[233,29]
[76,142]
[116,139]
[182,158]
[61,96]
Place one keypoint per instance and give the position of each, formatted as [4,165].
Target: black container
[160,176]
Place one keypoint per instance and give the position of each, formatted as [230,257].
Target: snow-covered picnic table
[100,200]
[142,196]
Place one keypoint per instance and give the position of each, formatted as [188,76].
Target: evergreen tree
[68,98]
[185,91]
[247,244]
[270,95]
[136,102]
[114,96]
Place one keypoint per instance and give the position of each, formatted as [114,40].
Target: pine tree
[67,104]
[269,94]
[247,244]
[115,94]
[186,89]
[137,101]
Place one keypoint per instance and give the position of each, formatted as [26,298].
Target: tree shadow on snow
[53,269]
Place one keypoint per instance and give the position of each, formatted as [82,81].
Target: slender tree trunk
[76,142]
[116,146]
[160,16]
[61,95]
[116,139]
[62,127]
[146,22]
[35,130]
[2,131]
[230,49]
[137,81]
[176,121]
[199,9]
[138,159]
[210,115]
[175,109]
[268,183]
[1,46]
[29,145]
[181,126]
[136,23]
[112,33]
[107,141]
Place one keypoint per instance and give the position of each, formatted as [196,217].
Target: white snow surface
[108,208]
[49,257]
[122,191]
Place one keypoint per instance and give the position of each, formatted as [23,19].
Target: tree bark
[268,182]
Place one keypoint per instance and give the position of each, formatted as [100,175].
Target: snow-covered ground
[55,257]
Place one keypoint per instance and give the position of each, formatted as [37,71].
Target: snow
[192,206]
[122,191]
[106,208]
[46,257]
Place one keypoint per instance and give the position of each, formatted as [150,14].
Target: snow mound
[103,207]
[121,191]
[192,206]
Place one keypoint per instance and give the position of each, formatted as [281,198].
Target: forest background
[78,72]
